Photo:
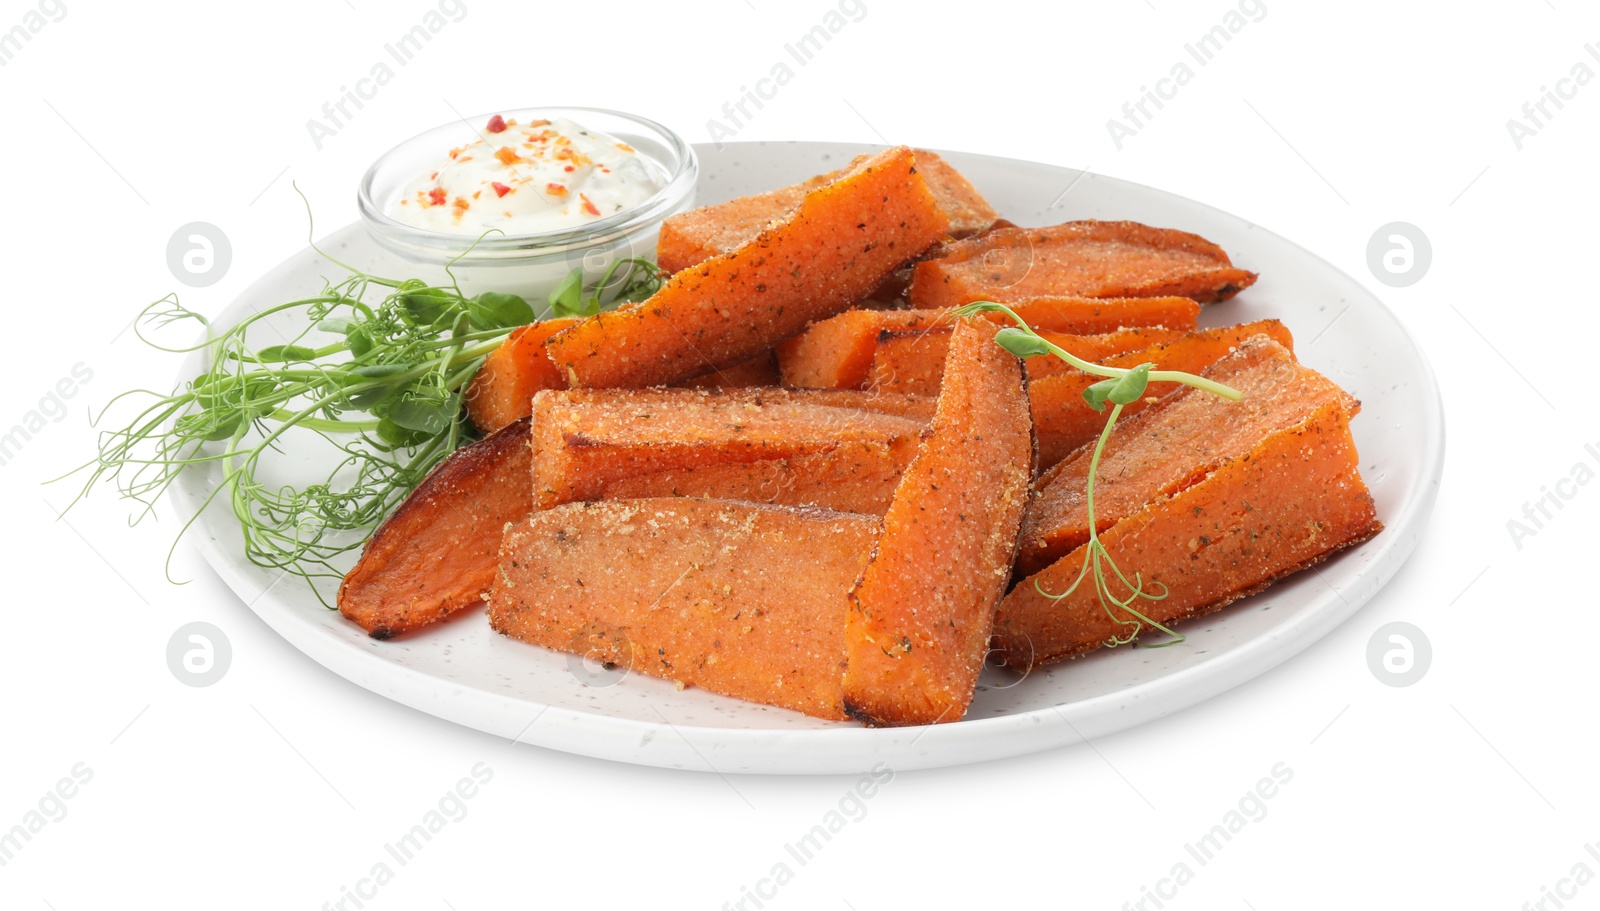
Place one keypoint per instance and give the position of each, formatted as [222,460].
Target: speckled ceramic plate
[464,672]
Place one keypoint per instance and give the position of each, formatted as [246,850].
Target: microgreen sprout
[381,382]
[1123,386]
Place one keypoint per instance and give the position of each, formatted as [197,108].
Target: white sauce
[528,179]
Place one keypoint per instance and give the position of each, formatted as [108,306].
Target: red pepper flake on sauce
[588,206]
[500,189]
[437,196]
[555,189]
[497,124]
[507,155]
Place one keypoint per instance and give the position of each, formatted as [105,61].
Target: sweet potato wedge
[584,440]
[1064,421]
[1289,502]
[919,620]
[840,242]
[912,360]
[436,553]
[761,370]
[1173,444]
[858,477]
[736,598]
[692,237]
[969,213]
[1080,258]
[837,353]
[503,390]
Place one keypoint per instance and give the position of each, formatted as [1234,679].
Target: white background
[279,785]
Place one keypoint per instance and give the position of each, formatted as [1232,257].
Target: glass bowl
[530,265]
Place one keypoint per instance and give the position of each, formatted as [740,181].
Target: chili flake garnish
[500,189]
[555,189]
[507,155]
[497,124]
[437,196]
[588,206]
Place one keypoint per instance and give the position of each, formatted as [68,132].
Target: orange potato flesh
[736,598]
[920,618]
[503,389]
[436,553]
[1082,258]
[1292,500]
[968,211]
[761,370]
[858,477]
[837,353]
[913,360]
[834,248]
[1090,316]
[692,237]
[1172,445]
[587,439]
[1064,421]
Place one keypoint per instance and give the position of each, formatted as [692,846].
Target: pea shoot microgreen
[382,383]
[1121,387]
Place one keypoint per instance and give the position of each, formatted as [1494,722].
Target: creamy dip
[528,178]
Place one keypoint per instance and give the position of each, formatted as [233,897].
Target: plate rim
[591,733]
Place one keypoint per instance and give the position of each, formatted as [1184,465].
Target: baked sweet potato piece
[968,211]
[436,553]
[837,353]
[1289,502]
[1079,258]
[911,360]
[503,389]
[839,243]
[761,370]
[1090,316]
[584,440]
[1173,444]
[919,621]
[1063,421]
[692,237]
[736,598]
[857,477]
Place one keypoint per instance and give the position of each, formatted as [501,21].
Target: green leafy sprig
[1122,386]
[380,382]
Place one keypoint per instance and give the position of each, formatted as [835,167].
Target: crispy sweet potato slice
[1292,500]
[692,237]
[761,370]
[436,554]
[1089,316]
[586,439]
[912,360]
[1064,421]
[968,211]
[843,238]
[919,621]
[736,598]
[837,353]
[1079,258]
[1173,444]
[857,477]
[503,390]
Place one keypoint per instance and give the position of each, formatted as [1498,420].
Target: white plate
[463,671]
